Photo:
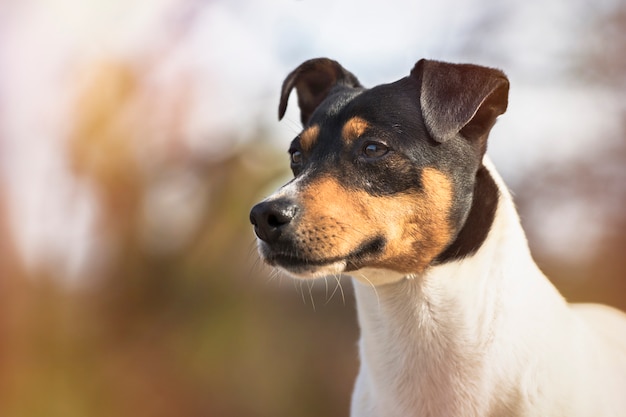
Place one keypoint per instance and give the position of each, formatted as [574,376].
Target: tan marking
[336,221]
[353,129]
[308,137]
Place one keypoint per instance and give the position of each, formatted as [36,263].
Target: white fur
[485,336]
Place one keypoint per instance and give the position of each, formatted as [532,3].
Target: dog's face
[384,178]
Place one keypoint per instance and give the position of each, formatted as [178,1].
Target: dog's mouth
[296,264]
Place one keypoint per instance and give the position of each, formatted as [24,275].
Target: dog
[392,187]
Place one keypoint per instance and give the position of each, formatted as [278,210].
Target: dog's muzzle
[276,223]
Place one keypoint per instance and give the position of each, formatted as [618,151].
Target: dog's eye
[295,156]
[375,150]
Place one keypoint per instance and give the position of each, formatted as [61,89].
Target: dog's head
[384,178]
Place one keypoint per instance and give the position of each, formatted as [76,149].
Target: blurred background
[135,137]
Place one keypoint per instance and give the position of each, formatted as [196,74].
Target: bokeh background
[135,136]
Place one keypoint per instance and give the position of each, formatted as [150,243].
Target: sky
[237,52]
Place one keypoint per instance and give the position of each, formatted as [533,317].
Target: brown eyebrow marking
[309,137]
[354,128]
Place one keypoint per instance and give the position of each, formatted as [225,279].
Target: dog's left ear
[313,81]
[460,98]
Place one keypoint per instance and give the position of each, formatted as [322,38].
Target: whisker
[310,284]
[275,274]
[373,287]
[343,295]
[292,125]
[351,228]
[252,247]
[301,290]
[337,286]
[326,287]
[257,259]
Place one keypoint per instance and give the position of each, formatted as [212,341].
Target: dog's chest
[427,364]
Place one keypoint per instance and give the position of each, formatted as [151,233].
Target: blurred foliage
[595,180]
[188,326]
[174,315]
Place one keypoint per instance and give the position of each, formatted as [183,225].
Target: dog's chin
[313,272]
[305,268]
[365,275]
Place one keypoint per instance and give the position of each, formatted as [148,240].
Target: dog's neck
[424,339]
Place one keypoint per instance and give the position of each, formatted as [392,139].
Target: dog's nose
[269,218]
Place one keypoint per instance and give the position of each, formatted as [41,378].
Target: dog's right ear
[313,80]
[460,98]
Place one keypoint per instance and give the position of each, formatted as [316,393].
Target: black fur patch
[479,220]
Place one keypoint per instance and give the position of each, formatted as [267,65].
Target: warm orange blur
[172,314]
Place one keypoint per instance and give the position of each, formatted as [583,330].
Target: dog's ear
[313,80]
[460,98]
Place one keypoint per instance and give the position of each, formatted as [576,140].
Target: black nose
[271,217]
